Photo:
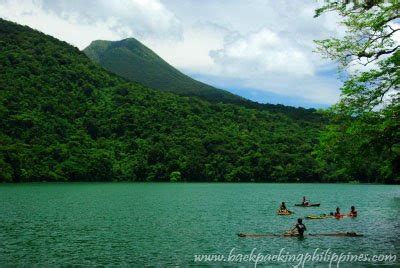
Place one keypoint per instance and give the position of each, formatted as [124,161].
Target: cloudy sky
[260,49]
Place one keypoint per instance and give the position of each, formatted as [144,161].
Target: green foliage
[175,176]
[365,135]
[64,118]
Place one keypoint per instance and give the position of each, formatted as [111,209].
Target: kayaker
[305,202]
[283,207]
[337,213]
[353,212]
[299,227]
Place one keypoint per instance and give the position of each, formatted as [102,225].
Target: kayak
[341,217]
[319,217]
[346,234]
[286,213]
[325,216]
[309,205]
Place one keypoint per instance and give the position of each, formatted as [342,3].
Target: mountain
[134,61]
[65,118]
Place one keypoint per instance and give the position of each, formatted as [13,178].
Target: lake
[161,224]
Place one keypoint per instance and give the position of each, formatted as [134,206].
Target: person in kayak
[299,227]
[337,213]
[305,202]
[353,212]
[283,207]
[283,210]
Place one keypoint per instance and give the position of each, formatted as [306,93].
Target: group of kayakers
[299,228]
[337,214]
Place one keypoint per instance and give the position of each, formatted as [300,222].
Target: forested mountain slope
[134,61]
[64,118]
[131,59]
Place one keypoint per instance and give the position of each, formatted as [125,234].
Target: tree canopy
[364,138]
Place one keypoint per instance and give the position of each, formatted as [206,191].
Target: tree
[175,176]
[369,109]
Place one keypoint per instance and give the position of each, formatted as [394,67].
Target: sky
[260,49]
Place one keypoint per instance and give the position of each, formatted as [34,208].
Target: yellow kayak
[319,217]
[286,212]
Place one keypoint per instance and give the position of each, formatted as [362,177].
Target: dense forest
[65,118]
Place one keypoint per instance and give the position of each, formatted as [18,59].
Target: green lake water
[167,224]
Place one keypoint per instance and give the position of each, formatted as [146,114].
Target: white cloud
[264,52]
[264,45]
[80,22]
[191,53]
[396,35]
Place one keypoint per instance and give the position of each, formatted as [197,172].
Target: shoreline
[189,182]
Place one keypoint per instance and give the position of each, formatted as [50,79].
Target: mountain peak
[134,61]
